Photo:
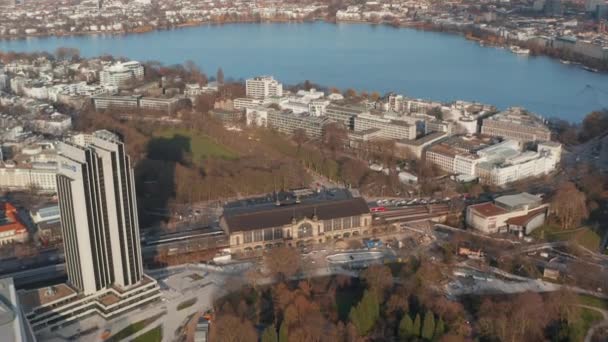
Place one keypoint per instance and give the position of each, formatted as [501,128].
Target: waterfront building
[263,87]
[521,213]
[99,221]
[121,75]
[295,221]
[13,325]
[517,124]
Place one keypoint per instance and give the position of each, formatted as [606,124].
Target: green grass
[154,335]
[186,304]
[593,301]
[133,328]
[201,146]
[589,239]
[583,236]
[587,318]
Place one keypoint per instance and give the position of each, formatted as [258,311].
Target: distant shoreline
[486,40]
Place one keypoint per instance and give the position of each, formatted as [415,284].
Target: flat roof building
[521,213]
[516,124]
[262,87]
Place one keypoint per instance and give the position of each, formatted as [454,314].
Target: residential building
[295,221]
[121,75]
[55,124]
[516,124]
[13,325]
[158,104]
[521,213]
[262,87]
[11,227]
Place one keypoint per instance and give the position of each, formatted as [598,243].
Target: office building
[38,176]
[121,75]
[167,106]
[344,114]
[288,123]
[521,213]
[516,124]
[497,164]
[103,102]
[262,87]
[388,128]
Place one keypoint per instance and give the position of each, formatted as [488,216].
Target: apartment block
[262,87]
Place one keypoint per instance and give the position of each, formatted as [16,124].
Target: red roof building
[11,228]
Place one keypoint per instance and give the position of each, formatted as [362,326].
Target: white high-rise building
[121,74]
[99,220]
[263,87]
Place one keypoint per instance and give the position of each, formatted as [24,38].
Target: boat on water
[590,69]
[563,61]
[519,51]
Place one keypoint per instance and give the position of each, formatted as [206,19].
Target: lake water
[372,58]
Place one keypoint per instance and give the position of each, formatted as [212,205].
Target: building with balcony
[263,87]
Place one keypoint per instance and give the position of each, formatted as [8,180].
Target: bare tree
[283,261]
[569,205]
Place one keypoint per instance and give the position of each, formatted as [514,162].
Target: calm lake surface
[372,58]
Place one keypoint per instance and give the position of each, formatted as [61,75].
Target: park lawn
[202,146]
[583,236]
[587,318]
[589,300]
[133,328]
[589,239]
[186,304]
[154,335]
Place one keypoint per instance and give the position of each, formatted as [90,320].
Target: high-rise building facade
[99,221]
[263,87]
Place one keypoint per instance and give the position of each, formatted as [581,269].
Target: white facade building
[263,87]
[121,74]
[99,221]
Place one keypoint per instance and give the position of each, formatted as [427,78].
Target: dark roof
[283,215]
